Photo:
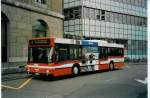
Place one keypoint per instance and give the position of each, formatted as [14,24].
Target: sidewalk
[14,76]
[136,63]
[13,67]
[13,71]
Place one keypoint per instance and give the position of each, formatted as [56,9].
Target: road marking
[9,68]
[108,80]
[127,67]
[21,86]
[142,81]
[9,87]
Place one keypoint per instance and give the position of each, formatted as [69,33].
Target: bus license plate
[90,68]
[36,73]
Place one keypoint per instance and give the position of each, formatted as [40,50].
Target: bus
[60,56]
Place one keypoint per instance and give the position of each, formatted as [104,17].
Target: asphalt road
[123,83]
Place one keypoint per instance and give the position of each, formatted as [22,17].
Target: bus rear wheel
[75,70]
[111,66]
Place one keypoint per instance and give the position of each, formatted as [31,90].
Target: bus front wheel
[75,70]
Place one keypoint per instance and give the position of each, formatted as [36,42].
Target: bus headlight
[47,72]
[28,69]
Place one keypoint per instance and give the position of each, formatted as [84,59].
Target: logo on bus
[89,43]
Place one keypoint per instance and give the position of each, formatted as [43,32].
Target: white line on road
[127,67]
[108,80]
[142,81]
[21,86]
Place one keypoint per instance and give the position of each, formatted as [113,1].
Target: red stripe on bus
[62,71]
[103,66]
[119,64]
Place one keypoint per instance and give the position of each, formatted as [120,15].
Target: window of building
[124,19]
[41,1]
[107,16]
[145,3]
[136,19]
[132,20]
[4,28]
[66,13]
[145,21]
[128,20]
[97,14]
[128,1]
[72,13]
[39,28]
[111,17]
[140,21]
[92,14]
[120,18]
[102,14]
[116,15]
[77,12]
[86,13]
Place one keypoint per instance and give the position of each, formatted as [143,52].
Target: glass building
[119,21]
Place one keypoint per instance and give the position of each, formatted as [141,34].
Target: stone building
[24,19]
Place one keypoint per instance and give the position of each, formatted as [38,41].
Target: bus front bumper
[39,70]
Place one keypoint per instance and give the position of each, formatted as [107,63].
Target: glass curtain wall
[94,23]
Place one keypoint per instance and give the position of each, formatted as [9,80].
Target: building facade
[24,19]
[119,21]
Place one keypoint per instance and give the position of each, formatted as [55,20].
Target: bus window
[120,52]
[39,54]
[74,52]
[103,53]
[80,53]
[71,53]
[62,52]
[112,51]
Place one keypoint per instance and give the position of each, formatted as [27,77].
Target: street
[122,83]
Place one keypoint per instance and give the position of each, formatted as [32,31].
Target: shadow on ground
[50,78]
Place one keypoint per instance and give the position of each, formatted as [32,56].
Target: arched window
[39,29]
[4,25]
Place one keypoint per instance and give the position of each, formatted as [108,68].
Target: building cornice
[32,8]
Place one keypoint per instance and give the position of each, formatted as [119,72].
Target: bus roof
[106,44]
[83,42]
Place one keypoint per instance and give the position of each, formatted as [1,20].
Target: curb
[137,63]
[11,70]
[15,76]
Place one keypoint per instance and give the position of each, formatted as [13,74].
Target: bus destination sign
[40,42]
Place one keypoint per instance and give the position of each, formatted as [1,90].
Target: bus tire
[111,66]
[75,70]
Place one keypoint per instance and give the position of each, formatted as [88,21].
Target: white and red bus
[60,56]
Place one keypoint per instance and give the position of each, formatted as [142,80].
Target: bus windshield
[39,55]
